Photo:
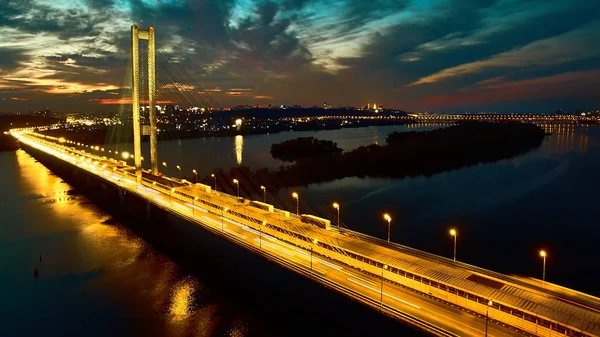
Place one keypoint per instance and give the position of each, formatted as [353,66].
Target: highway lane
[441,315]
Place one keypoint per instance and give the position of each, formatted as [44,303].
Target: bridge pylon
[136,35]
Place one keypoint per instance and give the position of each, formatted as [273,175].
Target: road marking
[386,294]
[359,277]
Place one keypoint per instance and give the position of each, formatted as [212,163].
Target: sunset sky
[503,55]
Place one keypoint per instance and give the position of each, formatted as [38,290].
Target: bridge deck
[508,291]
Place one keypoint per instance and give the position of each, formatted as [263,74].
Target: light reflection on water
[239,148]
[93,272]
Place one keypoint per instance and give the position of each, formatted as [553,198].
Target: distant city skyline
[438,55]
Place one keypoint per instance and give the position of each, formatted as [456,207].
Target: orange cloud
[19,99]
[235,93]
[263,97]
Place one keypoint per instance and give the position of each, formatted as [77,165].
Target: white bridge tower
[136,35]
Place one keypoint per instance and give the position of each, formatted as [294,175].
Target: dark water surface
[97,278]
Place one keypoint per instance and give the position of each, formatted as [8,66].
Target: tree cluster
[303,147]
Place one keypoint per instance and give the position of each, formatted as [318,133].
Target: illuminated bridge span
[442,297]
[499,117]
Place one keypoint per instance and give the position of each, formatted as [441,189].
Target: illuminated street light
[179,168]
[315,241]
[264,189]
[237,182]
[215,178]
[388,218]
[487,316]
[454,234]
[222,217]
[264,223]
[543,255]
[295,195]
[196,174]
[337,206]
[125,155]
[385,267]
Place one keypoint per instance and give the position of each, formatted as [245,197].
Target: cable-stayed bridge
[436,294]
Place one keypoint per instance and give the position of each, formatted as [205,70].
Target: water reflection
[565,138]
[181,300]
[90,261]
[239,148]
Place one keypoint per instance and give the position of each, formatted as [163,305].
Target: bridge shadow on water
[284,302]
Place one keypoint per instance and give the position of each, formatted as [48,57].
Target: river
[99,278]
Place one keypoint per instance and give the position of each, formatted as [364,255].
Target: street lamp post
[543,255]
[264,189]
[237,183]
[260,239]
[315,241]
[222,216]
[179,168]
[166,168]
[454,234]
[295,196]
[487,312]
[388,218]
[215,178]
[337,206]
[381,300]
[194,206]
[196,175]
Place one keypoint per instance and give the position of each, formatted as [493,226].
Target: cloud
[576,85]
[563,48]
[74,54]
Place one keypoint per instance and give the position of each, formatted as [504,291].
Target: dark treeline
[406,154]
[303,147]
